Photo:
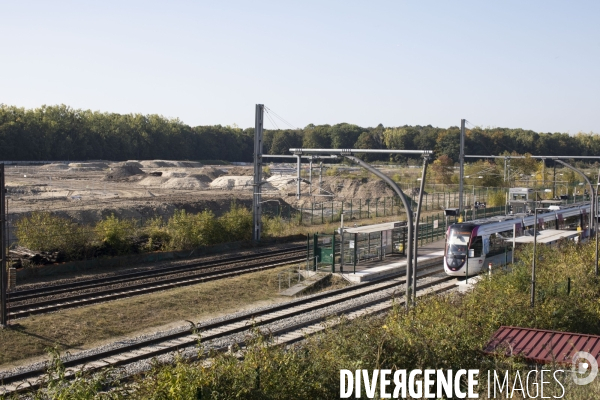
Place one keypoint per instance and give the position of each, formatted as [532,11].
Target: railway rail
[56,297]
[295,318]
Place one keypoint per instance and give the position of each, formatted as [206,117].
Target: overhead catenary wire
[281,118]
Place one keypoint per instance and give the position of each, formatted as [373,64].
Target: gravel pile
[120,173]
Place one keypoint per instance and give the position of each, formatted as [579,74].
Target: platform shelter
[351,246]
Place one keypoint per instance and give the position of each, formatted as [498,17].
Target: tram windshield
[458,241]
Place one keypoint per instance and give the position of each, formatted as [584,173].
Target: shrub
[116,234]
[188,231]
[156,233]
[43,231]
[236,224]
[496,198]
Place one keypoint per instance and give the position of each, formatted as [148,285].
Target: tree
[441,170]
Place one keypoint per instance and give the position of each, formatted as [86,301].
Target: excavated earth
[141,189]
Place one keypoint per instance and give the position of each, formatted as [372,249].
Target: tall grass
[442,332]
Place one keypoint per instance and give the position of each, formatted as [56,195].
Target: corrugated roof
[542,346]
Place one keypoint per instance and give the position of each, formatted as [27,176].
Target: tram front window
[458,242]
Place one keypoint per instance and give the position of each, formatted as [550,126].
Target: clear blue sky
[520,64]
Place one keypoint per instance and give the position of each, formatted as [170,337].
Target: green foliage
[188,231]
[44,231]
[155,230]
[61,132]
[442,332]
[491,174]
[236,224]
[496,198]
[116,234]
[441,170]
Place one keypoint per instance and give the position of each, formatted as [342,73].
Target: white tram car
[485,239]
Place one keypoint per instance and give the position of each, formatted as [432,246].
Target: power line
[281,118]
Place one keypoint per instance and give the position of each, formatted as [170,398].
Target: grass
[85,327]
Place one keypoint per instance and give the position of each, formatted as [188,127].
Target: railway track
[288,322]
[56,297]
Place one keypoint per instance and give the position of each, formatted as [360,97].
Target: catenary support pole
[298,177]
[3,271]
[409,217]
[310,176]
[592,207]
[535,222]
[416,231]
[257,197]
[462,165]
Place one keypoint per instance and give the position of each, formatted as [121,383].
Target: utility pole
[462,165]
[310,176]
[320,176]
[257,197]
[3,238]
[554,181]
[298,177]
[416,230]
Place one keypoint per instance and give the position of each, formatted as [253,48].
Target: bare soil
[88,192]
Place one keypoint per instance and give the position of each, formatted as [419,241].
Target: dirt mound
[241,171]
[282,182]
[155,181]
[232,182]
[120,173]
[365,188]
[87,165]
[128,164]
[54,166]
[211,172]
[170,164]
[202,178]
[188,182]
[174,174]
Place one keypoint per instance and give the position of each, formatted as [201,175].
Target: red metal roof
[542,346]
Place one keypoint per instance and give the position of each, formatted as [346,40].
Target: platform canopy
[546,236]
[376,227]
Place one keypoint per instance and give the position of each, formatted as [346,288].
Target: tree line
[63,133]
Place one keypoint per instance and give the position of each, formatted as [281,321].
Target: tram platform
[428,255]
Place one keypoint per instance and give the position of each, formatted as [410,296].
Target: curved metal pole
[592,205]
[409,218]
[416,236]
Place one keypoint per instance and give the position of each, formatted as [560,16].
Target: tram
[469,245]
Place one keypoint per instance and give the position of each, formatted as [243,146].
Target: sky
[518,64]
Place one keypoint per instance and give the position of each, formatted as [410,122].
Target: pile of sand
[241,171]
[174,174]
[188,182]
[233,182]
[120,173]
[54,166]
[211,172]
[170,164]
[128,163]
[88,166]
[281,182]
[366,188]
[154,181]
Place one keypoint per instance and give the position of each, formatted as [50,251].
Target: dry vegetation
[84,327]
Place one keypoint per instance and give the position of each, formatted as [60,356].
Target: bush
[156,234]
[43,231]
[115,234]
[496,198]
[236,224]
[188,231]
